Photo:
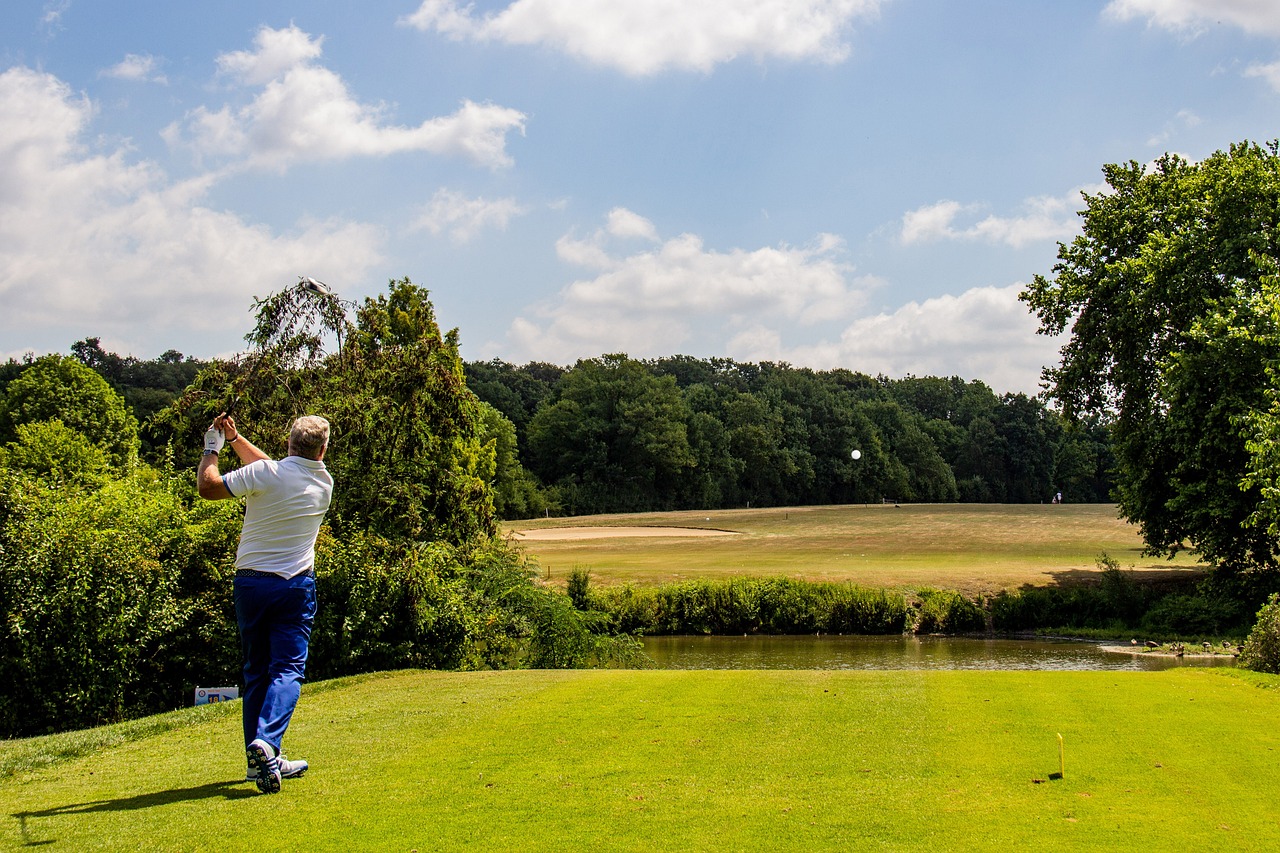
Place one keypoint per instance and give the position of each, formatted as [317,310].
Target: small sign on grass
[205,695]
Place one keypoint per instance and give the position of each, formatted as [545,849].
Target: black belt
[254,573]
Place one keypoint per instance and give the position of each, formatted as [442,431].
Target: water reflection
[834,652]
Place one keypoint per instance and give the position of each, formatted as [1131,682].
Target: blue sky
[833,183]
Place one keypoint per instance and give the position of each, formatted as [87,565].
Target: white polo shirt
[285,501]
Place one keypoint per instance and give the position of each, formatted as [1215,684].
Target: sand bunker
[564,534]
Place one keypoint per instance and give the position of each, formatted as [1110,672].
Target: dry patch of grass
[971,548]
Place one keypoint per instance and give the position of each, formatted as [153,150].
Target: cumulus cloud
[773,304]
[1269,72]
[136,68]
[1190,17]
[92,241]
[984,332]
[464,218]
[650,302]
[304,112]
[1042,218]
[625,223]
[642,38]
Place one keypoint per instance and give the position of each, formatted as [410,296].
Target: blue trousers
[275,616]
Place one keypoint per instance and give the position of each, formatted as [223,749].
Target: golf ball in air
[857,454]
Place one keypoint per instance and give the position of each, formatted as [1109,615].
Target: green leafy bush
[56,454]
[63,389]
[579,588]
[389,605]
[1182,615]
[1116,600]
[948,613]
[104,611]
[1262,648]
[752,605]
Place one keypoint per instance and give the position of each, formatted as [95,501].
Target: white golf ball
[857,454]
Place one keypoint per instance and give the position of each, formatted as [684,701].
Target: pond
[905,652]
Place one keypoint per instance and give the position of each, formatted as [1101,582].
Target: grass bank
[689,761]
[970,548]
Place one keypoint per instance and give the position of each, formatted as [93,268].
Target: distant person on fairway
[275,585]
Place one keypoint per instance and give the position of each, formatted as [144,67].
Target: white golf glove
[214,439]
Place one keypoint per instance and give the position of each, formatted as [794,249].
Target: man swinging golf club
[275,586]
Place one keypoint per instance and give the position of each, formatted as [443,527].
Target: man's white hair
[309,436]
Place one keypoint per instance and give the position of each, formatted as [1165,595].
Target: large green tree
[56,388]
[408,445]
[614,439]
[1172,257]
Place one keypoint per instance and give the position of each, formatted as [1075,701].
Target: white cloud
[750,304]
[984,333]
[932,222]
[1269,72]
[304,112]
[278,52]
[592,252]
[624,223]
[1043,218]
[137,68]
[1190,17]
[464,217]
[650,303]
[91,241]
[642,38]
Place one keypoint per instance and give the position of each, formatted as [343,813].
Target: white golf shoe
[264,768]
[288,769]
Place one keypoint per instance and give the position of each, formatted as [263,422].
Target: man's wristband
[233,440]
[210,453]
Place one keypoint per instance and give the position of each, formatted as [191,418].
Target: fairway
[697,761]
[971,548]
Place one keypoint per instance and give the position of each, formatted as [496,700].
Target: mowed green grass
[698,761]
[971,548]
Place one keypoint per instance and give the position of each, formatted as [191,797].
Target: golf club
[305,283]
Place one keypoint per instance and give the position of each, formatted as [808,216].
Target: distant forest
[616,434]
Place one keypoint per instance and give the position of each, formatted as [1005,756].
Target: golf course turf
[968,548]
[712,760]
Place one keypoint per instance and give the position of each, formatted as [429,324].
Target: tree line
[616,434]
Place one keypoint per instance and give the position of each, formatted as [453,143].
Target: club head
[312,286]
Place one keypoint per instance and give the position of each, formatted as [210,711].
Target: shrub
[1262,648]
[1124,598]
[103,601]
[745,605]
[1182,615]
[948,613]
[389,605]
[381,606]
[1117,599]
[858,610]
[58,455]
[579,588]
